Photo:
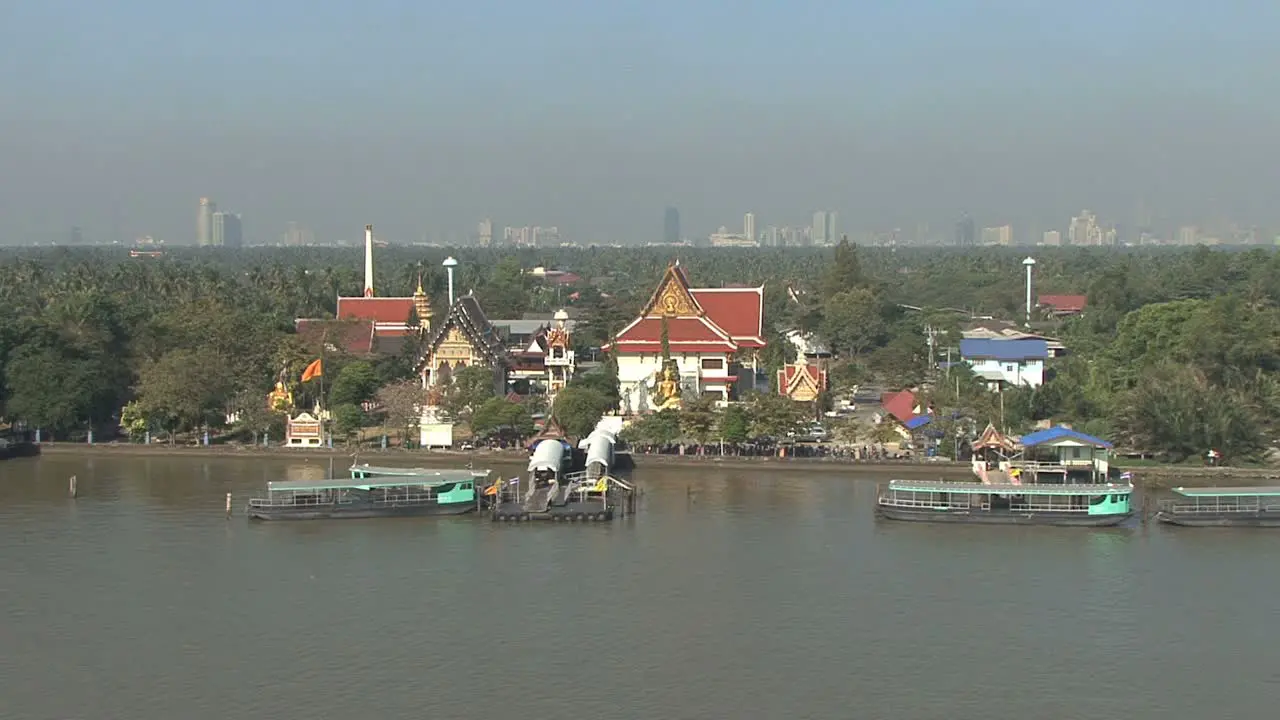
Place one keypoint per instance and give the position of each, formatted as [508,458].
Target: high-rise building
[966,232]
[749,227]
[1188,235]
[671,226]
[204,222]
[295,234]
[823,230]
[1052,238]
[1084,229]
[226,230]
[1002,235]
[484,233]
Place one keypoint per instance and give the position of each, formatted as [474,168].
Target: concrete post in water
[228,504]
[71,486]
[90,436]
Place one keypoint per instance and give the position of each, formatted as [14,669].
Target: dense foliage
[1176,352]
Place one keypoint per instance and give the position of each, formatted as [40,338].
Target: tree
[578,409]
[499,416]
[853,321]
[470,388]
[734,424]
[356,384]
[660,428]
[698,419]
[775,415]
[844,273]
[348,419]
[400,403]
[49,388]
[186,389]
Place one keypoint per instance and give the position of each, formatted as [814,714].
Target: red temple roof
[697,319]
[350,336]
[378,309]
[792,377]
[1064,304]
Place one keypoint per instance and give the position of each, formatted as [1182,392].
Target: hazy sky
[425,116]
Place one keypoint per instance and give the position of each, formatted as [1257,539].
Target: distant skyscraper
[671,226]
[966,232]
[226,231]
[484,233]
[204,222]
[818,230]
[1052,238]
[1084,229]
[749,227]
[1002,235]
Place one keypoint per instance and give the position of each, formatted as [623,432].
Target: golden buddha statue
[280,399]
[667,392]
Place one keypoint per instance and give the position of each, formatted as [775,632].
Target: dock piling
[71,486]
[228,505]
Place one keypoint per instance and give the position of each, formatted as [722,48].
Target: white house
[1006,362]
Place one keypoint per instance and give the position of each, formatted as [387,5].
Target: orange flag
[314,370]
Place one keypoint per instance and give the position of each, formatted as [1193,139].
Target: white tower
[368,261]
[1029,263]
[449,264]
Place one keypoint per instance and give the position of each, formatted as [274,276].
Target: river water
[732,594]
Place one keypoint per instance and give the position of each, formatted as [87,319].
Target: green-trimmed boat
[1087,505]
[365,471]
[429,492]
[1222,507]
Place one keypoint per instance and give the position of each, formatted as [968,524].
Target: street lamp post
[1028,264]
[449,264]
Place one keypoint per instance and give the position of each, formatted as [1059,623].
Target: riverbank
[1147,476]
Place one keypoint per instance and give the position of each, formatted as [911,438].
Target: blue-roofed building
[1002,363]
[1061,454]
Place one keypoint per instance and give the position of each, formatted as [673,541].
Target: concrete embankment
[1146,476]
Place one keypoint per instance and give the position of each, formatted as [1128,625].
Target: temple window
[712,363]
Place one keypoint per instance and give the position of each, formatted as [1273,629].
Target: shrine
[802,381]
[689,342]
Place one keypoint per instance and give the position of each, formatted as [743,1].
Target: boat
[433,492]
[363,471]
[18,445]
[1222,507]
[1090,505]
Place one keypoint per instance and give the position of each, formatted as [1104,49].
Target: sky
[422,117]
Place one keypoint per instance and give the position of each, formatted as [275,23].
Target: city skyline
[929,111]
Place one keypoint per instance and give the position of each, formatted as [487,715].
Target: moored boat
[1087,505]
[363,471]
[1222,507]
[432,492]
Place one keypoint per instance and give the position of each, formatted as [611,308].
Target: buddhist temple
[371,325]
[712,337]
[802,381]
[463,338]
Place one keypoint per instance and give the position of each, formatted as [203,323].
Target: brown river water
[732,594]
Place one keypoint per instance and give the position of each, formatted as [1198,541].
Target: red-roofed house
[901,405]
[710,332]
[1063,305]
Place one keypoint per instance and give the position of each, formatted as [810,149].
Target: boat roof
[1260,491]
[1008,488]
[429,477]
[402,471]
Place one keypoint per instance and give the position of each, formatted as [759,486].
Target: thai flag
[513,481]
[1126,475]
